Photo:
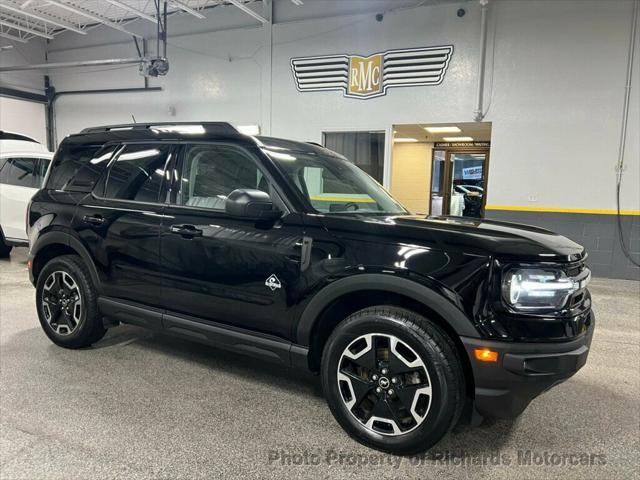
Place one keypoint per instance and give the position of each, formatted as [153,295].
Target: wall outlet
[533,198]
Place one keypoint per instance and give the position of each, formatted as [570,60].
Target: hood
[499,239]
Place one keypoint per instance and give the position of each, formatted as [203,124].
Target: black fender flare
[456,318]
[63,238]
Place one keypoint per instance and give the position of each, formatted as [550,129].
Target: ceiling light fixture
[450,129]
[405,140]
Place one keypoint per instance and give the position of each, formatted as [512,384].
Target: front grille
[580,274]
[575,269]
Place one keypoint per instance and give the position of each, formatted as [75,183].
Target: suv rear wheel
[393,379]
[67,303]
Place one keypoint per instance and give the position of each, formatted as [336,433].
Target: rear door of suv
[223,269]
[119,221]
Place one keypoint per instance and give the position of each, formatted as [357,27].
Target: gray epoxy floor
[140,405]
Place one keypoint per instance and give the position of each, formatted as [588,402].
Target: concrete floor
[140,405]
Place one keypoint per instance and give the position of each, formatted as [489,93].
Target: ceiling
[23,20]
[479,131]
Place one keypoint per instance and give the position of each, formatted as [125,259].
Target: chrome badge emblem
[368,77]
[273,283]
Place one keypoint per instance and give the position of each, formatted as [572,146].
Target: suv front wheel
[67,303]
[393,379]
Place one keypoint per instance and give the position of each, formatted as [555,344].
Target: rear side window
[137,173]
[69,160]
[24,172]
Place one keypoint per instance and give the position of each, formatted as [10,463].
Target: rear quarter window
[73,169]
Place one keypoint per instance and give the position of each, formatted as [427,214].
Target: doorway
[442,169]
[459,182]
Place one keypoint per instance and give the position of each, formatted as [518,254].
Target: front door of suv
[223,269]
[119,222]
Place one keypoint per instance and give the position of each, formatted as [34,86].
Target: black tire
[90,328]
[439,357]
[5,249]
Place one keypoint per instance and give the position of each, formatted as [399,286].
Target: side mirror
[251,205]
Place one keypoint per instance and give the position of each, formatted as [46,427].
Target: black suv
[287,251]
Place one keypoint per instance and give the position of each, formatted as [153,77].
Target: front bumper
[523,371]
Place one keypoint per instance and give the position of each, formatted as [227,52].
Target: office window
[363,149]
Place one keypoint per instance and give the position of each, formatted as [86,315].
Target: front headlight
[538,288]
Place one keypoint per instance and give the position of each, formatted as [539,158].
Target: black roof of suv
[287,251]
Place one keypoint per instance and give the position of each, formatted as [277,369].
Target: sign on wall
[461,144]
[472,173]
[369,77]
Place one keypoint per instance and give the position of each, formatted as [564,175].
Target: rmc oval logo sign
[368,77]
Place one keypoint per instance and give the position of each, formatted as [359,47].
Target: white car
[24,164]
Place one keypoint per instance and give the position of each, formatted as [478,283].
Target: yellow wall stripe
[343,199]
[561,210]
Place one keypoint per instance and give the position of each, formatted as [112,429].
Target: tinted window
[137,173]
[24,172]
[334,185]
[69,159]
[212,172]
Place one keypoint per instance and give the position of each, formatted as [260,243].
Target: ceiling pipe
[478,114]
[80,63]
[620,167]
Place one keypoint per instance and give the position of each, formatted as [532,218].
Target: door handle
[186,230]
[305,253]
[94,219]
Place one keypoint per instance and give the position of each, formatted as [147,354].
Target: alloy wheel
[62,303]
[384,384]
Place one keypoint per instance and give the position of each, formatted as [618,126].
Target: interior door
[222,269]
[467,183]
[458,182]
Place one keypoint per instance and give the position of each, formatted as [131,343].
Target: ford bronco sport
[288,252]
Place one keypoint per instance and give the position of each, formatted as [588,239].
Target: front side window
[137,173]
[24,172]
[211,172]
[333,185]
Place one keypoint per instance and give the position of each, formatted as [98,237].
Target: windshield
[333,185]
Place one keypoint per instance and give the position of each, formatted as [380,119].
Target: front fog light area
[537,289]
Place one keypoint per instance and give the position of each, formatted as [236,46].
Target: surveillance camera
[379,17]
[461,12]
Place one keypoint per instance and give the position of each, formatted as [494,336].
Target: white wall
[20,116]
[555,85]
[27,118]
[22,54]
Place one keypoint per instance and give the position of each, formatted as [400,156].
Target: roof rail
[223,128]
